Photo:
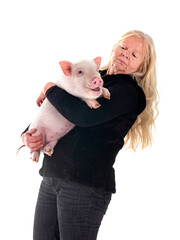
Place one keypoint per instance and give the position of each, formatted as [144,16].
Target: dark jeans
[68,211]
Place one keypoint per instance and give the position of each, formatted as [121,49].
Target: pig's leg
[106,93]
[92,103]
[35,155]
[49,148]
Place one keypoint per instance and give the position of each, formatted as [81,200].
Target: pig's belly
[51,123]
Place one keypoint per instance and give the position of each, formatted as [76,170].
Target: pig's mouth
[96,89]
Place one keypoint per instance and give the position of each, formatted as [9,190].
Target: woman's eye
[134,55]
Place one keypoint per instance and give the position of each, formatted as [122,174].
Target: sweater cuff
[50,90]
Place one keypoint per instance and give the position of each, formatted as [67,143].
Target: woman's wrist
[42,95]
[47,86]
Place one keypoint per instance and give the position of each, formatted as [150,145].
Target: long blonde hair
[140,134]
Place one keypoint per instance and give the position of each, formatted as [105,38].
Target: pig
[80,79]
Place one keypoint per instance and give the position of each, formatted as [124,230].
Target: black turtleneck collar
[107,77]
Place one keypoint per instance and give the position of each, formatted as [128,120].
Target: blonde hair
[140,134]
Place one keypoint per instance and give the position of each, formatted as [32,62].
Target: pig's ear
[97,60]
[66,67]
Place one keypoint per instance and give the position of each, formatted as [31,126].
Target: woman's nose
[125,54]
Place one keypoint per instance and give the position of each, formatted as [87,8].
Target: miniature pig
[82,80]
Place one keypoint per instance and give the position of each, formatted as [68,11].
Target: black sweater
[87,153]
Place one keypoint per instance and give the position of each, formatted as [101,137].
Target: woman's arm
[124,100]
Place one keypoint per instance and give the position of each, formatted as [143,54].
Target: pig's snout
[97,82]
[96,87]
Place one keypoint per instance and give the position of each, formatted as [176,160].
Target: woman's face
[127,56]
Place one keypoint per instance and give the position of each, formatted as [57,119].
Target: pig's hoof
[97,105]
[106,94]
[35,157]
[48,151]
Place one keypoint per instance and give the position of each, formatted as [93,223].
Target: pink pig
[82,80]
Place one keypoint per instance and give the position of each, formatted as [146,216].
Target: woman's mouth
[121,61]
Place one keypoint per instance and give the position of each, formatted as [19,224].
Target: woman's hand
[42,95]
[40,99]
[34,143]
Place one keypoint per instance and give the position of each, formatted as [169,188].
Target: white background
[35,36]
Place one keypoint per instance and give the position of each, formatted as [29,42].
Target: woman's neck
[112,71]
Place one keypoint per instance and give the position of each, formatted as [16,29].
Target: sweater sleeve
[124,100]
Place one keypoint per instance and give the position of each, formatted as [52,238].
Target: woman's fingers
[36,148]
[40,99]
[33,142]
[35,139]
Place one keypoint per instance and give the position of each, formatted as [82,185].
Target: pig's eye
[80,72]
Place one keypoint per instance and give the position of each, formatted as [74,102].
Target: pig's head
[82,79]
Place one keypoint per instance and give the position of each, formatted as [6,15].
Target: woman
[78,180]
